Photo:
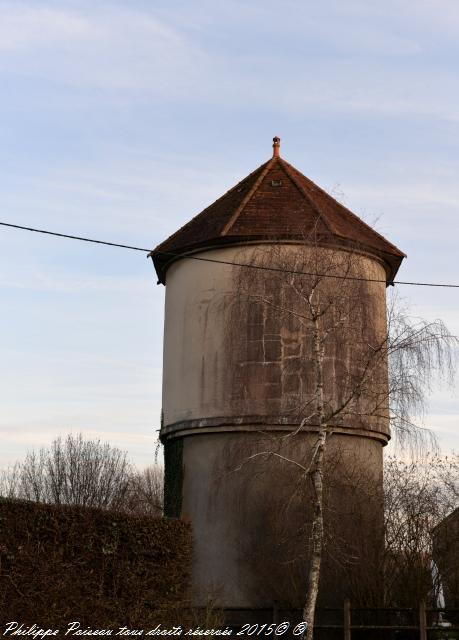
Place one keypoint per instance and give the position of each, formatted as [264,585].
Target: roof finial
[276,147]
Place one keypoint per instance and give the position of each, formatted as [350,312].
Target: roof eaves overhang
[162,260]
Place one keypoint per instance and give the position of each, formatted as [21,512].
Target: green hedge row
[105,569]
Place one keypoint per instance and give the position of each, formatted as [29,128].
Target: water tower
[230,376]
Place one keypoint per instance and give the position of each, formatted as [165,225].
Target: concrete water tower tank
[231,371]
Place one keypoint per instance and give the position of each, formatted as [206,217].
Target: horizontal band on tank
[257,423]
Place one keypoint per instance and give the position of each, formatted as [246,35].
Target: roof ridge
[354,215]
[248,197]
[176,233]
[287,168]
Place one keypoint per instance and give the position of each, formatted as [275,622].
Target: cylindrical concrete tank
[239,374]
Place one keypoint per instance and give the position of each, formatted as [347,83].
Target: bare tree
[332,304]
[85,472]
[73,471]
[146,492]
[419,352]
[419,495]
[9,480]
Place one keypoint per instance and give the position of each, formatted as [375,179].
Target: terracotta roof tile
[275,203]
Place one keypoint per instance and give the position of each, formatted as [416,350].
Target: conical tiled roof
[276,203]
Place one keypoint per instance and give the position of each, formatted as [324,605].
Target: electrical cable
[227,262]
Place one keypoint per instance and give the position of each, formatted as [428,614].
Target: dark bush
[102,568]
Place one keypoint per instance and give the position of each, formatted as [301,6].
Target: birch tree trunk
[316,538]
[316,474]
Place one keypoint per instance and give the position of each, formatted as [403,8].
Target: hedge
[105,569]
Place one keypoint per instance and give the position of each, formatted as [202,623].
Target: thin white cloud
[350,33]
[135,54]
[140,446]
[121,195]
[26,28]
[108,47]
[445,424]
[57,281]
[423,194]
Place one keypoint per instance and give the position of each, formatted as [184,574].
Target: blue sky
[121,120]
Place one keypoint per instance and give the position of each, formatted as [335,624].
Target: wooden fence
[422,622]
[351,623]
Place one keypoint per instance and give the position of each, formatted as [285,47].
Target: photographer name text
[16,629]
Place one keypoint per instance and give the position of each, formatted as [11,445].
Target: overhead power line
[64,235]
[227,262]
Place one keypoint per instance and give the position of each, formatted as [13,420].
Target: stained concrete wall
[237,361]
[250,521]
[229,356]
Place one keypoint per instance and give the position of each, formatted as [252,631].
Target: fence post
[422,620]
[347,619]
